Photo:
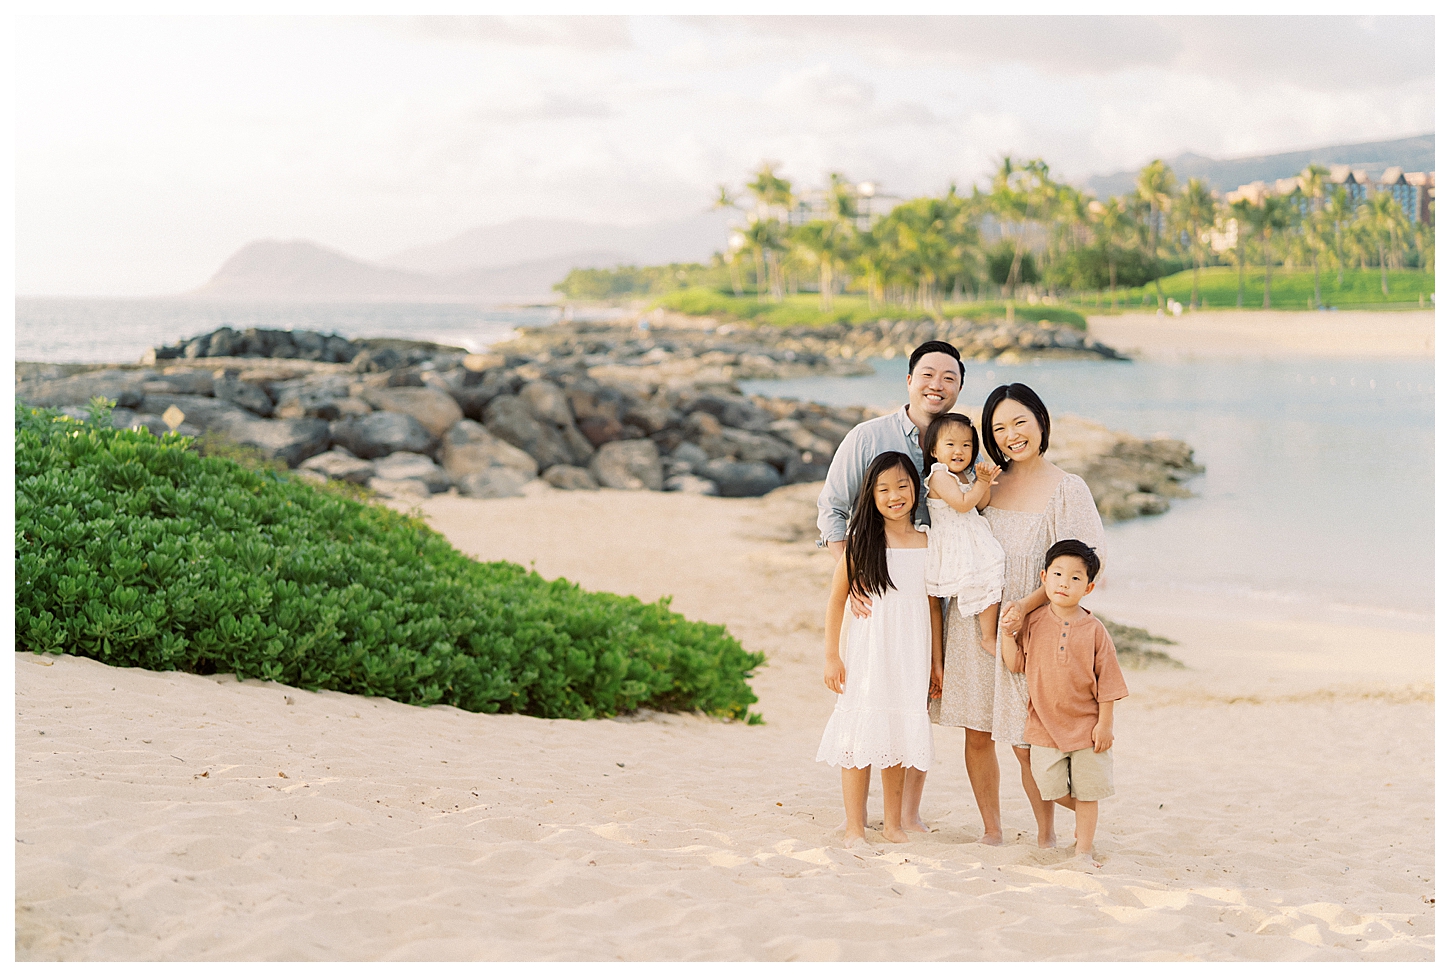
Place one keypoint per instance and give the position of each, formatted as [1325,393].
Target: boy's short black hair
[936,346]
[1077,548]
[940,423]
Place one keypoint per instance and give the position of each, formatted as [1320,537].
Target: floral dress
[977,690]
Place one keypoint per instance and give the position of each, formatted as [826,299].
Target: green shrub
[137,551]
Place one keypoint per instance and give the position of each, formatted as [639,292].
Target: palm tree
[773,200]
[1314,181]
[1241,214]
[1112,224]
[1386,227]
[1155,187]
[1338,216]
[1194,211]
[1021,195]
[1267,221]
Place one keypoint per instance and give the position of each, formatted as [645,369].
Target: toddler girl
[964,560]
[893,659]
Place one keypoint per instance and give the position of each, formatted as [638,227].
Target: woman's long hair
[866,570]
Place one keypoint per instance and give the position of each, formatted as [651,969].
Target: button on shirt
[890,432]
[1071,667]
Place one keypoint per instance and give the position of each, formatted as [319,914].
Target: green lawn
[1219,287]
[805,310]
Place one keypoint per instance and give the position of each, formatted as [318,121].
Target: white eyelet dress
[963,558]
[881,719]
[977,690]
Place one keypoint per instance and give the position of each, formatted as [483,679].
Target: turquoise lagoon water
[1319,481]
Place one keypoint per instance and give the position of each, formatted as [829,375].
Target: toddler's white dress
[881,719]
[964,560]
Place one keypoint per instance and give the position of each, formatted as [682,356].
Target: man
[933,381]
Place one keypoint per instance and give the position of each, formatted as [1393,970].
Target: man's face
[932,388]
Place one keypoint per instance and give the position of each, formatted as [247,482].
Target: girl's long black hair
[866,570]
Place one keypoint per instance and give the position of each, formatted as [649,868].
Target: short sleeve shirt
[1070,667]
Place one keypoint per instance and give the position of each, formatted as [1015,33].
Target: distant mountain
[1414,153]
[688,239]
[304,270]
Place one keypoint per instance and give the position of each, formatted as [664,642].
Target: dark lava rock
[382,433]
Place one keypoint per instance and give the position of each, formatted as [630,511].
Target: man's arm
[843,480]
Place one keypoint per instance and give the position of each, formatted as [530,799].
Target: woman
[1033,505]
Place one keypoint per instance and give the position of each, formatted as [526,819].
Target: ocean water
[1319,489]
[1319,481]
[64,330]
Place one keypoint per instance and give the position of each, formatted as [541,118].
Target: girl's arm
[835,611]
[944,486]
[986,477]
[938,659]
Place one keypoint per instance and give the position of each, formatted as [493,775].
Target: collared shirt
[890,432]
[1071,667]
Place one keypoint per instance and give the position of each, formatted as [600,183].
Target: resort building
[1414,192]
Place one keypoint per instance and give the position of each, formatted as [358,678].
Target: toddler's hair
[941,423]
[866,569]
[1077,548]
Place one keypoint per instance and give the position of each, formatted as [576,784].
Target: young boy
[1073,680]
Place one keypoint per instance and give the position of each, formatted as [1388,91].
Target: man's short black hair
[1079,549]
[936,346]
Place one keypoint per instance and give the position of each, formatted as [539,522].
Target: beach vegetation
[1025,236]
[142,552]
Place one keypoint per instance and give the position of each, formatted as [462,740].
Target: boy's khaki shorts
[1088,776]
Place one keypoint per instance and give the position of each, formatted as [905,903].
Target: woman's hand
[835,674]
[1011,616]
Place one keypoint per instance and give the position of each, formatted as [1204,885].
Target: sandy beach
[1257,334]
[1275,799]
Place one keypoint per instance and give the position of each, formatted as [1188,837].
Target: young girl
[893,657]
[964,560]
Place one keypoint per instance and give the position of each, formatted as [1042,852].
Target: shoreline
[152,811]
[1259,334]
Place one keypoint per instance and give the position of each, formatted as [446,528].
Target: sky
[149,148]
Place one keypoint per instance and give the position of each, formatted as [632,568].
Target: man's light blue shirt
[890,432]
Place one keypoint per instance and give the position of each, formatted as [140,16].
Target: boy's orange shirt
[1070,668]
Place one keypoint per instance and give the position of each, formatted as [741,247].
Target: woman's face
[894,494]
[1016,431]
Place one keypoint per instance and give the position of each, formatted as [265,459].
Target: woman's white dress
[977,690]
[963,558]
[881,719]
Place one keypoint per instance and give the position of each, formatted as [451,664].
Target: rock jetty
[623,409]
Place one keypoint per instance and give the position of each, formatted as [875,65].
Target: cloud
[589,33]
[547,107]
[1319,53]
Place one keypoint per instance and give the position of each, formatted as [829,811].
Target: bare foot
[993,838]
[843,825]
[1048,840]
[895,835]
[1083,861]
[989,643]
[916,825]
[857,843]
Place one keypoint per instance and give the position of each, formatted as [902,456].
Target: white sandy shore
[1259,334]
[1275,801]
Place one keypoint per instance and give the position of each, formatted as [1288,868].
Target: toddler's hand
[987,472]
[836,674]
[1102,737]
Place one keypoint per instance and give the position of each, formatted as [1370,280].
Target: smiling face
[1066,582]
[933,386]
[956,446]
[895,494]
[1016,431]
